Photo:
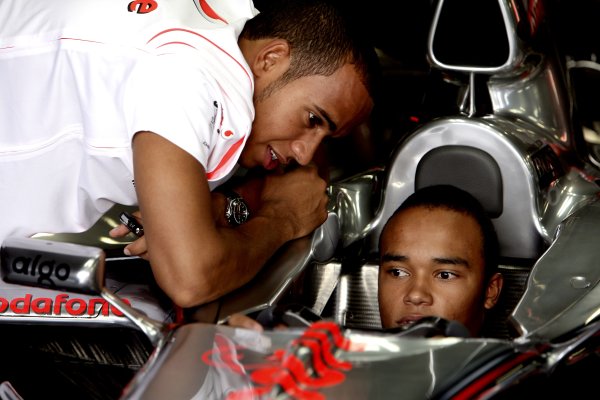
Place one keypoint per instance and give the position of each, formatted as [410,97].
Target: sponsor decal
[142,6]
[219,109]
[60,305]
[213,119]
[46,270]
[308,365]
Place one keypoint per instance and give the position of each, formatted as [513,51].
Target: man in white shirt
[155,103]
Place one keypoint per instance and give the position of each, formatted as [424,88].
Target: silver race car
[80,321]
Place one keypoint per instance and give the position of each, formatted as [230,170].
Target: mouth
[272,159]
[409,320]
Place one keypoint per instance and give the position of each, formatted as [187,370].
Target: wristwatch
[236,208]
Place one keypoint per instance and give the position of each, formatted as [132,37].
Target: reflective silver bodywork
[277,275]
[563,292]
[422,368]
[515,54]
[551,222]
[38,262]
[537,95]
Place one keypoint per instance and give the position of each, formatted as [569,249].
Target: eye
[446,275]
[313,120]
[397,272]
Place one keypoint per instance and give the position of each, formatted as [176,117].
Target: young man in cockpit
[438,257]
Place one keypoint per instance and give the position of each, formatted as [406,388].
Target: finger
[137,248]
[118,231]
[143,256]
[243,321]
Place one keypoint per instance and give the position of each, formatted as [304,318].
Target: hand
[138,247]
[243,321]
[296,198]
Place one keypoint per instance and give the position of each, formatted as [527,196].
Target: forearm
[194,258]
[247,249]
[193,276]
[218,209]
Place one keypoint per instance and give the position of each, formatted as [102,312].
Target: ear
[273,56]
[492,293]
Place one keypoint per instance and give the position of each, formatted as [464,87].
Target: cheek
[258,123]
[269,125]
[457,306]
[388,298]
[273,109]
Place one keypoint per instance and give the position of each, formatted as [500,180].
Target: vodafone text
[60,305]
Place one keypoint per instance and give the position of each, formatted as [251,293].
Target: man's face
[432,265]
[292,121]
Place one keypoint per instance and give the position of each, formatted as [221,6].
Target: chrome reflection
[355,201]
[552,305]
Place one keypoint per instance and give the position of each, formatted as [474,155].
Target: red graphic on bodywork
[308,365]
[228,357]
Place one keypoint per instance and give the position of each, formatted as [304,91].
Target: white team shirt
[78,78]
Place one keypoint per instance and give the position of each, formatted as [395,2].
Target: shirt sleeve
[171,98]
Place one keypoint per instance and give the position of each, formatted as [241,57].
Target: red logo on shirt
[142,7]
[228,133]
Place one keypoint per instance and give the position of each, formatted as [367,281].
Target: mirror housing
[70,267]
[53,265]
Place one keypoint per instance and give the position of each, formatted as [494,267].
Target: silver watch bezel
[236,210]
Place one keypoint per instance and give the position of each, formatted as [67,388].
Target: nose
[418,293]
[303,150]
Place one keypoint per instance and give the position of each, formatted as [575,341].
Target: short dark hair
[455,199]
[322,39]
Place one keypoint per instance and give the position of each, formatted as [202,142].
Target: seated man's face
[432,264]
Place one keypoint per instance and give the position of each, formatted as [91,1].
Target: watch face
[237,211]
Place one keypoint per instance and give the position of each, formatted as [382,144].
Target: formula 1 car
[82,322]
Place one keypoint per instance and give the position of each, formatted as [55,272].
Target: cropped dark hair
[455,199]
[321,36]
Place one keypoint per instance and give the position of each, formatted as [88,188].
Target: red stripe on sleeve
[226,158]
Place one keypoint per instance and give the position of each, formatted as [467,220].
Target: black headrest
[467,168]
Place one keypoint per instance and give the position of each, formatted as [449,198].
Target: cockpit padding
[468,168]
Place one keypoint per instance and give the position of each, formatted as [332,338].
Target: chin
[244,162]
